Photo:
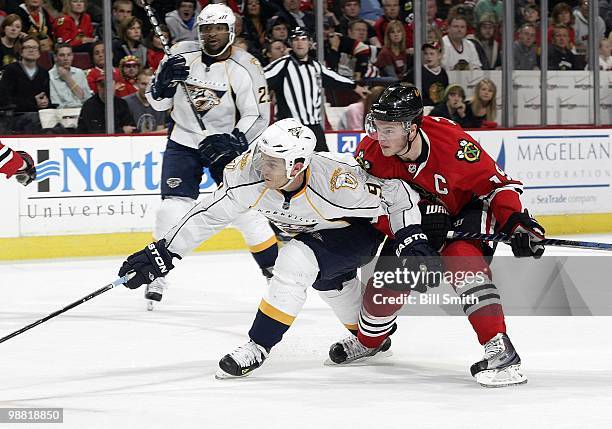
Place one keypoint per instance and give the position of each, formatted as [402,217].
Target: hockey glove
[435,222]
[27,174]
[173,71]
[525,233]
[417,257]
[218,150]
[149,263]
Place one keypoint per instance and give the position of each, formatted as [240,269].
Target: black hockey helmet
[299,32]
[399,103]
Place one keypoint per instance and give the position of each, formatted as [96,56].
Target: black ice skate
[500,365]
[350,349]
[242,361]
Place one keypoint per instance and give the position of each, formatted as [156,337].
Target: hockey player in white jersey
[327,200]
[227,87]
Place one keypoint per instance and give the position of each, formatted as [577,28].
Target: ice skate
[350,349]
[154,292]
[500,365]
[242,361]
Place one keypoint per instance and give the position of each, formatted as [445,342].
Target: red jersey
[10,161]
[452,170]
[68,31]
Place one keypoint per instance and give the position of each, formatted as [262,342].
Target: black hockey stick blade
[119,281]
[503,238]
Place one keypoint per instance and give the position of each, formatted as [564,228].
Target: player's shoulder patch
[343,179]
[361,159]
[60,21]
[185,47]
[468,151]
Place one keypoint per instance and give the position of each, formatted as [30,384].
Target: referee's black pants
[317,129]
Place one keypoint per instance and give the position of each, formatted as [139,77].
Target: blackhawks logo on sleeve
[365,164]
[468,151]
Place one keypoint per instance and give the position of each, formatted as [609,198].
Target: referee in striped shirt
[298,81]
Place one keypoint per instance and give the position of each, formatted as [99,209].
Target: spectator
[146,118]
[93,114]
[605,60]
[294,17]
[182,21]
[452,105]
[353,116]
[560,57]
[344,55]
[485,43]
[495,7]
[10,30]
[257,13]
[36,22]
[458,52]
[581,17]
[130,42]
[278,29]
[358,31]
[155,48]
[392,60]
[97,59]
[465,11]
[74,26]
[433,22]
[129,68]
[531,14]
[391,12]
[274,50]
[524,51]
[298,81]
[434,78]
[562,14]
[122,11]
[481,110]
[68,84]
[24,83]
[350,12]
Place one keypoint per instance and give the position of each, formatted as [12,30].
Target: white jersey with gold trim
[336,189]
[228,94]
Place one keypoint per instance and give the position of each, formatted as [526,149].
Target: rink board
[97,195]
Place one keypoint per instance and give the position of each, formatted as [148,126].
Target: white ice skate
[349,350]
[500,365]
[242,361]
[154,292]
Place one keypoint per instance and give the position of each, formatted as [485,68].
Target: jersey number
[264,95]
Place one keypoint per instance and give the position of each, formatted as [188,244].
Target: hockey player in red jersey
[17,163]
[462,188]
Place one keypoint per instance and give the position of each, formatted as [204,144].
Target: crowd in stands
[52,55]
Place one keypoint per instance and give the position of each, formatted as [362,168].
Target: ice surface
[111,364]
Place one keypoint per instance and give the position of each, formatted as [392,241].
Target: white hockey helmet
[217,14]
[290,140]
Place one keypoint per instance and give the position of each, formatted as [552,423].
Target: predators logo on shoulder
[468,151]
[244,159]
[342,179]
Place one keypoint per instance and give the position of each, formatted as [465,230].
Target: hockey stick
[503,238]
[119,281]
[164,42]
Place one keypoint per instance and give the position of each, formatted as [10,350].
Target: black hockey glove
[524,232]
[435,222]
[218,150]
[26,175]
[418,257]
[149,263]
[174,70]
